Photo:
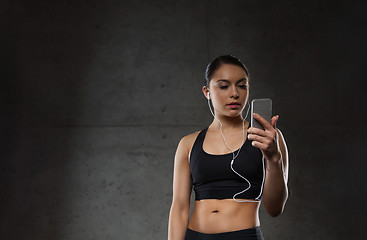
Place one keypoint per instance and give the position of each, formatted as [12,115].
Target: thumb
[274,121]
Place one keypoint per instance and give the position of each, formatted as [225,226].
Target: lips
[233,103]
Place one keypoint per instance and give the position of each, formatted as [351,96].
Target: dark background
[95,96]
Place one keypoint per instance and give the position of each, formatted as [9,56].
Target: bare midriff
[224,215]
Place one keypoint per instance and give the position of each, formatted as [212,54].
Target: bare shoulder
[190,137]
[182,182]
[186,143]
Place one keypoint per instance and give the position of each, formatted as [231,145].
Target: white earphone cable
[235,156]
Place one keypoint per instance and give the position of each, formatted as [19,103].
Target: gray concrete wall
[97,94]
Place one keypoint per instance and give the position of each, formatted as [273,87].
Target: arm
[272,144]
[275,188]
[180,208]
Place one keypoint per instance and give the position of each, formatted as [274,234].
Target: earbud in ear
[208,95]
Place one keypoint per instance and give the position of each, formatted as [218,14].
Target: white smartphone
[263,107]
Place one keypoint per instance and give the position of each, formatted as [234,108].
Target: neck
[228,123]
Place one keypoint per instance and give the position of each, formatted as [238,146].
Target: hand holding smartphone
[263,107]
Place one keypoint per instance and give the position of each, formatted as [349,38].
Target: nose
[235,93]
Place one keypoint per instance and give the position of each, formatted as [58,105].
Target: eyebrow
[225,80]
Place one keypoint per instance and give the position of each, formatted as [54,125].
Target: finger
[266,125]
[258,138]
[274,121]
[271,134]
[259,145]
[257,131]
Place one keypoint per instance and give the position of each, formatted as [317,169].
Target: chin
[234,113]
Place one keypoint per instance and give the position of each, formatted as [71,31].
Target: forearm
[275,189]
[178,221]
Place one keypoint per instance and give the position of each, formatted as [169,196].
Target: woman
[229,185]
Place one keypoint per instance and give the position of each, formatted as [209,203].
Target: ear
[206,91]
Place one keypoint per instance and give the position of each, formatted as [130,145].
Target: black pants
[245,234]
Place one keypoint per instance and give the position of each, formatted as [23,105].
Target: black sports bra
[213,178]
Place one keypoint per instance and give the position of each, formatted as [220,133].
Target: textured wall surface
[96,95]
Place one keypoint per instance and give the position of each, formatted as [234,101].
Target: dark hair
[217,62]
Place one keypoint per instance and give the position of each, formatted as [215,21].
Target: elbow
[275,209]
[275,212]
[180,209]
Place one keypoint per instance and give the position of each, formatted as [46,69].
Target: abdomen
[225,215]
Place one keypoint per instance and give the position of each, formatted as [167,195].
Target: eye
[223,87]
[244,86]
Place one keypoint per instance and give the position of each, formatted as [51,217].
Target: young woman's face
[228,85]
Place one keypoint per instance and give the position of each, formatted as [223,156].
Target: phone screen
[263,107]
